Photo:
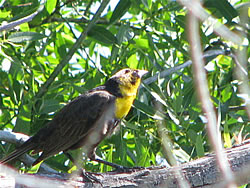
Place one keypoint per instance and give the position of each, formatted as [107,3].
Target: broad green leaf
[60,46]
[16,70]
[147,3]
[102,35]
[24,27]
[5,14]
[49,105]
[132,61]
[20,37]
[18,89]
[226,93]
[148,110]
[120,9]
[23,119]
[50,5]
[142,43]
[199,146]
[192,135]
[223,7]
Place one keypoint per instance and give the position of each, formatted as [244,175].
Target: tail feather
[17,153]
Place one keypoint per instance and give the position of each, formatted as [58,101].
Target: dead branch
[202,172]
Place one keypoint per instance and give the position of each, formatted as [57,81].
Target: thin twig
[13,24]
[203,93]
[242,75]
[220,29]
[71,52]
[208,54]
[168,150]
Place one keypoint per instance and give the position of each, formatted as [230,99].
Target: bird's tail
[17,153]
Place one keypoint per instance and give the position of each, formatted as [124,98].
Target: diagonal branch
[25,19]
[210,54]
[71,52]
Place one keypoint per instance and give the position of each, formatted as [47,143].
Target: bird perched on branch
[87,120]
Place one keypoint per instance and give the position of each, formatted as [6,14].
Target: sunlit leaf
[50,5]
[20,37]
[120,9]
[102,35]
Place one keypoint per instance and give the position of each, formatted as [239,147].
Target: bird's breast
[123,105]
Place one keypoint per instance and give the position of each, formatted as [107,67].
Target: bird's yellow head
[128,81]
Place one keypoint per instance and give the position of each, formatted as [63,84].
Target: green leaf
[144,108]
[226,136]
[50,5]
[148,110]
[49,105]
[120,9]
[192,135]
[132,61]
[226,93]
[20,37]
[226,9]
[176,44]
[199,146]
[222,8]
[16,69]
[60,46]
[102,35]
[123,30]
[23,119]
[142,43]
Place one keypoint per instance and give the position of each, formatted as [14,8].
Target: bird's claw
[88,177]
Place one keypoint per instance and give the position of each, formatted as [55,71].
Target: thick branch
[202,172]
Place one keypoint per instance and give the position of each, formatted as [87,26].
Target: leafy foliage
[142,34]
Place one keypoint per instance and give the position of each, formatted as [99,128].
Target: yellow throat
[128,82]
[123,104]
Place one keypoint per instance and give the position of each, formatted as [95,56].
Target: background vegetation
[35,80]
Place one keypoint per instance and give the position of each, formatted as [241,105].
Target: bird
[86,120]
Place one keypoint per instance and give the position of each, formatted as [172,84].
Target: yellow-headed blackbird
[87,120]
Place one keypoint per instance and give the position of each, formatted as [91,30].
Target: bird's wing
[74,123]
[17,153]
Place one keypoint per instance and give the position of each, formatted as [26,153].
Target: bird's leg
[86,175]
[118,168]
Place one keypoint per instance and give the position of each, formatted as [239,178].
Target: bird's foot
[89,176]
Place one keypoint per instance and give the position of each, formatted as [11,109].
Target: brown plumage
[85,121]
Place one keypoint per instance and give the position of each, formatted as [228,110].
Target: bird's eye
[127,71]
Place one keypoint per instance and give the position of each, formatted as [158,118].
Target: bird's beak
[142,73]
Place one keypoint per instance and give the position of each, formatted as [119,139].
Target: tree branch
[210,54]
[13,24]
[202,172]
[18,139]
[204,97]
[71,52]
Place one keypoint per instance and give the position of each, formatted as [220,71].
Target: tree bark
[202,172]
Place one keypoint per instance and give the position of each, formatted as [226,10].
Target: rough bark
[202,172]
